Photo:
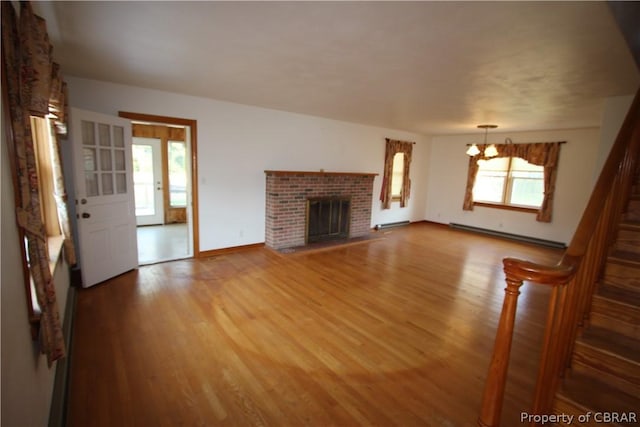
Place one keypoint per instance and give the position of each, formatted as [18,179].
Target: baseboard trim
[432,223]
[232,249]
[510,236]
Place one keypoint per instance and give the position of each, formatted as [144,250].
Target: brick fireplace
[288,194]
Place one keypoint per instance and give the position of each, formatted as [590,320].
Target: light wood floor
[392,332]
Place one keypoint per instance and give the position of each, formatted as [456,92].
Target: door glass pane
[177,174]
[107,183]
[91,182]
[89,159]
[119,158]
[88,136]
[143,186]
[118,136]
[104,134]
[105,160]
[121,183]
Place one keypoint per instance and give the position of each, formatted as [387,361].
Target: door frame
[193,137]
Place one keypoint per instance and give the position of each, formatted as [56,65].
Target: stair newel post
[549,358]
[493,396]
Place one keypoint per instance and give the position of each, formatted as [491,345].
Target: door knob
[86,215]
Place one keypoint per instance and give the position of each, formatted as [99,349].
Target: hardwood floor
[393,331]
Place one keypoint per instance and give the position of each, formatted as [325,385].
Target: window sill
[506,207]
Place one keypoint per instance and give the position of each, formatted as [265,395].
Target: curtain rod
[518,143]
[408,142]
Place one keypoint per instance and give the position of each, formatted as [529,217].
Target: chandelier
[490,151]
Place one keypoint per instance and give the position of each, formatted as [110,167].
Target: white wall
[448,174]
[613,114]
[237,143]
[27,381]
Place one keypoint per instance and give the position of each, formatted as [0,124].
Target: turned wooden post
[497,376]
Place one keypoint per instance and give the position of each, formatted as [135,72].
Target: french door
[147,181]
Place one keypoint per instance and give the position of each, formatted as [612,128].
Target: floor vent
[391,225]
[527,239]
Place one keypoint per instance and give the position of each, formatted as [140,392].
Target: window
[177,174]
[43,146]
[509,181]
[397,175]
[41,132]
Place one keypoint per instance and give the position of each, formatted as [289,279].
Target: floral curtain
[28,71]
[540,154]
[58,113]
[393,147]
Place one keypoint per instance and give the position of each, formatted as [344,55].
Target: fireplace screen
[328,218]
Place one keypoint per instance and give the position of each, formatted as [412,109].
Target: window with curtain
[519,182]
[32,87]
[396,185]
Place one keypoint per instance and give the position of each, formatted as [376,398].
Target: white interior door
[147,181]
[104,195]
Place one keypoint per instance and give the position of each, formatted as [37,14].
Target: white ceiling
[427,67]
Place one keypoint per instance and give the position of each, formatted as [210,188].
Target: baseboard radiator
[58,410]
[391,225]
[527,239]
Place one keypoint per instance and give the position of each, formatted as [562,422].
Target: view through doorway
[164,188]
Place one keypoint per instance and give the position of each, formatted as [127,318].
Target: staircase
[589,370]
[590,358]
[605,365]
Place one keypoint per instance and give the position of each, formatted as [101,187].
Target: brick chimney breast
[287,193]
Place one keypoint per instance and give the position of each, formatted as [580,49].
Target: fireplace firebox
[328,218]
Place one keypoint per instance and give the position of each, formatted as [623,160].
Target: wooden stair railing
[573,279]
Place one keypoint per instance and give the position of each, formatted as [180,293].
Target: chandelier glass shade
[489,151]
